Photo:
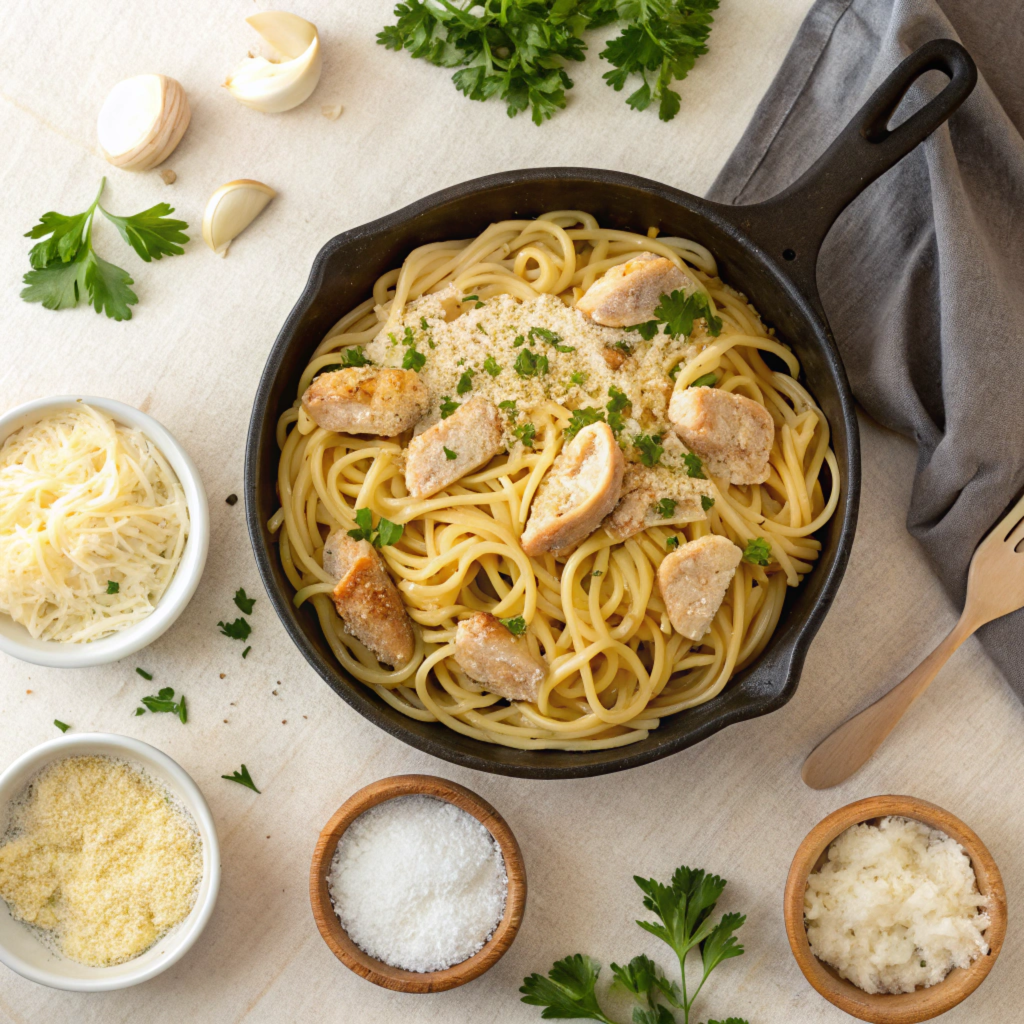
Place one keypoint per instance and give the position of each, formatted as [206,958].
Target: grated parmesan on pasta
[87,506]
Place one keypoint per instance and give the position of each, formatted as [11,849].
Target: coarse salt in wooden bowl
[375,970]
[923,1003]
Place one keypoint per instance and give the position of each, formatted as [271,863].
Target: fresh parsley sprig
[684,909]
[758,552]
[677,312]
[386,532]
[66,269]
[164,702]
[243,778]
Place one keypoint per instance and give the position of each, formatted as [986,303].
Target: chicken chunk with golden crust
[487,651]
[367,400]
[629,293]
[693,581]
[644,494]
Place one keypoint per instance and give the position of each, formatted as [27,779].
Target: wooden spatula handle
[840,754]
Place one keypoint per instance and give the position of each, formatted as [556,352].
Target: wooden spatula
[995,587]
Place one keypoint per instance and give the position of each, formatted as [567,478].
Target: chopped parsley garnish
[646,330]
[355,356]
[529,364]
[511,411]
[424,326]
[674,372]
[708,380]
[551,338]
[666,508]
[145,675]
[449,454]
[758,552]
[408,338]
[448,407]
[245,653]
[526,433]
[164,701]
[237,630]
[491,366]
[649,447]
[113,586]
[618,403]
[465,382]
[243,778]
[706,502]
[474,299]
[597,572]
[63,726]
[683,908]
[387,532]
[243,602]
[672,543]
[624,346]
[516,626]
[519,341]
[480,327]
[694,467]
[678,312]
[579,377]
[413,360]
[581,418]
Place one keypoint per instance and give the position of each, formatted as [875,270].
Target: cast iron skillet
[768,251]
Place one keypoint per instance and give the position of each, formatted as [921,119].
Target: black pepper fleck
[232,499]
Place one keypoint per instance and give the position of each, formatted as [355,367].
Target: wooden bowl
[375,970]
[923,1003]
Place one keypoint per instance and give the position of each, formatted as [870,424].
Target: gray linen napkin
[922,276]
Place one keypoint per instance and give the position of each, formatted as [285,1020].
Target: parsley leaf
[666,508]
[113,586]
[646,330]
[413,360]
[66,270]
[678,312]
[491,366]
[650,448]
[448,407]
[237,630]
[526,433]
[145,675]
[63,726]
[706,502]
[475,299]
[243,602]
[516,625]
[364,525]
[619,402]
[164,702]
[529,364]
[708,380]
[465,382]
[567,991]
[245,653]
[579,377]
[694,466]
[551,338]
[671,543]
[758,552]
[581,418]
[243,778]
[352,356]
[661,43]
[511,411]
[387,532]
[449,454]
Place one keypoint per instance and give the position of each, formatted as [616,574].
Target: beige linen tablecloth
[192,356]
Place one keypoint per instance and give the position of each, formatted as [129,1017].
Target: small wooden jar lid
[375,970]
[923,1003]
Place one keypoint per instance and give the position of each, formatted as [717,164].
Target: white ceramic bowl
[15,639]
[23,952]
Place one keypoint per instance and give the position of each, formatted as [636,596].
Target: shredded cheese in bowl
[93,524]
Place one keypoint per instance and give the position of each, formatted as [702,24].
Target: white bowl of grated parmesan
[104,531]
[104,912]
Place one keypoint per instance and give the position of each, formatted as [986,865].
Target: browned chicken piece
[693,581]
[367,599]
[579,490]
[629,293]
[731,433]
[367,400]
[473,433]
[642,489]
[502,663]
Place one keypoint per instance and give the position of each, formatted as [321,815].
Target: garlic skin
[231,209]
[275,87]
[142,121]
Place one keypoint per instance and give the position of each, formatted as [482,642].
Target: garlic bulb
[231,209]
[142,120]
[275,87]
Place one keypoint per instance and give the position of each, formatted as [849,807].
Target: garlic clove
[231,209]
[273,87]
[141,121]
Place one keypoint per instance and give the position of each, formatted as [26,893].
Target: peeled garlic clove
[231,209]
[142,120]
[274,87]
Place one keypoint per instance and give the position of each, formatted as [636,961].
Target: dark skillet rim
[791,657]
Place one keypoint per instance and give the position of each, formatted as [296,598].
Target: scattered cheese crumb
[168,176]
[98,855]
[895,907]
[418,883]
[332,111]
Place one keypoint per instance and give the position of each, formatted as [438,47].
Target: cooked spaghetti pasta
[615,665]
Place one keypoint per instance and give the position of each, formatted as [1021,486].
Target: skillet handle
[792,225]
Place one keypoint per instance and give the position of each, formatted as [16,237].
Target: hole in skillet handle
[788,254]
